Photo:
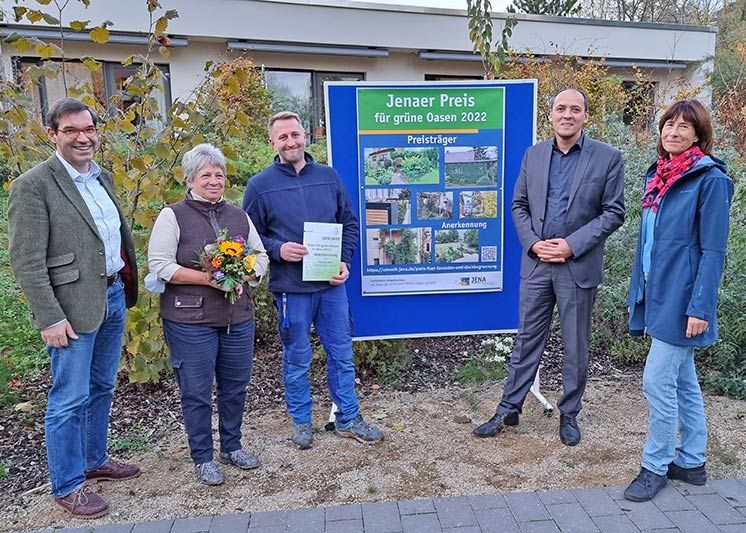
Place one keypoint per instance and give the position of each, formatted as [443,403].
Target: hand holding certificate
[324,244]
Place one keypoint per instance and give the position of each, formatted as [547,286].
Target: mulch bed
[152,410]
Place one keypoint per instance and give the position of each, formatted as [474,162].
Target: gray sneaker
[210,474]
[359,430]
[302,435]
[239,458]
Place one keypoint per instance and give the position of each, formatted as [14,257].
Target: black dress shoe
[694,476]
[510,419]
[492,427]
[569,430]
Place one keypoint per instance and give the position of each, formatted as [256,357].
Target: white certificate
[324,244]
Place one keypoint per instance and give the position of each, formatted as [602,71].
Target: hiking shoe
[302,435]
[693,476]
[113,470]
[83,503]
[239,458]
[210,473]
[359,430]
[645,486]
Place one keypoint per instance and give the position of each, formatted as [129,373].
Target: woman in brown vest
[209,337]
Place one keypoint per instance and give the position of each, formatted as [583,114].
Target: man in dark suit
[73,256]
[568,199]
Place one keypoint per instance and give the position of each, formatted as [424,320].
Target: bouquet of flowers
[227,261]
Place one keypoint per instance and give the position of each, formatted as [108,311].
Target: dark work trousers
[550,284]
[199,355]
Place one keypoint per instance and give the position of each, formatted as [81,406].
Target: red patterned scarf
[668,171]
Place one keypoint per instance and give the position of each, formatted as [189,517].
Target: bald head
[570,91]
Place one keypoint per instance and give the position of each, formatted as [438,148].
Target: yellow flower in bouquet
[249,262]
[231,248]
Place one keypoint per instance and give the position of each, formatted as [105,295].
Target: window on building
[450,77]
[640,102]
[302,92]
[104,83]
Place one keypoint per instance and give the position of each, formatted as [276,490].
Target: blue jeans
[199,356]
[674,399]
[83,379]
[329,311]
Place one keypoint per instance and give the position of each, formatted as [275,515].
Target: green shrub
[383,360]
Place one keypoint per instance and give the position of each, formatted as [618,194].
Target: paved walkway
[720,506]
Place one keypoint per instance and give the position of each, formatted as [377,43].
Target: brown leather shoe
[83,503]
[113,470]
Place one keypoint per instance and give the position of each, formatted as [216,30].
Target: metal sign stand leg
[536,391]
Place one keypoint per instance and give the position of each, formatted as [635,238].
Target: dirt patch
[429,452]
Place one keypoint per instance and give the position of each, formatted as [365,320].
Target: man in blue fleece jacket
[279,200]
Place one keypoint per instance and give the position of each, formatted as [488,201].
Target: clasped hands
[293,252]
[552,250]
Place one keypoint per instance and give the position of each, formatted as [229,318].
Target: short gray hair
[282,115]
[199,156]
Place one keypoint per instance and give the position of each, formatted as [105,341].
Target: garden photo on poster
[434,205]
[471,166]
[477,204]
[457,246]
[401,166]
[398,246]
[384,207]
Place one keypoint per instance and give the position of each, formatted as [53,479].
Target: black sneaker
[693,476]
[645,486]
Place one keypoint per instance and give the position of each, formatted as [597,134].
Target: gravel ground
[428,452]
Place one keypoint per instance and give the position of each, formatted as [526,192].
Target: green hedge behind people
[674,292]
[209,337]
[568,199]
[73,256]
[280,199]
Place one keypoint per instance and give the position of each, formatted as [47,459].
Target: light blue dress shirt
[103,211]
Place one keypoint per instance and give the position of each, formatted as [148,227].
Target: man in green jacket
[73,256]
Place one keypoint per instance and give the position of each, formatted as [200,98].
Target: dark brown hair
[694,113]
[66,106]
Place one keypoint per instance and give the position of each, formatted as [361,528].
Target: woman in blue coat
[673,292]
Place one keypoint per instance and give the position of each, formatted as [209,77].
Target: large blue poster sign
[430,168]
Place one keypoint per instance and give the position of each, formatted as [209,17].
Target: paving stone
[467,529]
[572,517]
[345,526]
[192,525]
[344,512]
[74,530]
[496,520]
[615,524]
[487,501]
[670,499]
[159,526]
[381,517]
[645,515]
[692,521]
[230,523]
[268,529]
[49,530]
[717,509]
[455,512]
[616,493]
[526,507]
[542,526]
[732,490]
[691,490]
[419,506]
[306,521]
[597,502]
[268,518]
[421,523]
[732,528]
[114,528]
[553,497]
